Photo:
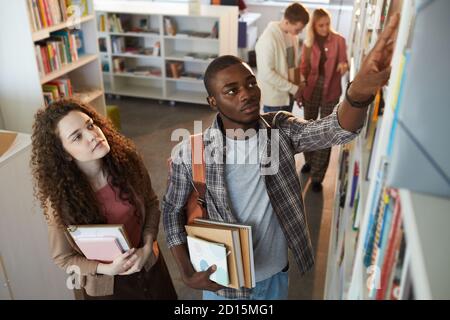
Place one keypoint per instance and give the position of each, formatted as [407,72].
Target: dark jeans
[280,108]
[276,109]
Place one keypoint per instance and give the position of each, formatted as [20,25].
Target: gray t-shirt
[251,205]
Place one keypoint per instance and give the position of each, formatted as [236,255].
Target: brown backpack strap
[307,55]
[199,167]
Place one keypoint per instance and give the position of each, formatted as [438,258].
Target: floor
[150,123]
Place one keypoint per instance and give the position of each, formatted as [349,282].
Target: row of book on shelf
[171,29]
[62,48]
[385,242]
[125,45]
[385,245]
[63,88]
[47,13]
[174,69]
[120,66]
[122,23]
[58,88]
[228,246]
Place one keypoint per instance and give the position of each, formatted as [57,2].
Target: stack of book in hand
[229,246]
[101,242]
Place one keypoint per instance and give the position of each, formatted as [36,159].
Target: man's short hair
[296,13]
[217,65]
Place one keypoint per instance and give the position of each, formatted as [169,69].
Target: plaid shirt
[295,136]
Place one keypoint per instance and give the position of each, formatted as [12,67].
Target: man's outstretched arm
[373,74]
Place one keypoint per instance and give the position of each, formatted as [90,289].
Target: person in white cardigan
[277,60]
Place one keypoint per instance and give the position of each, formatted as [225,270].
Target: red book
[393,245]
[44,54]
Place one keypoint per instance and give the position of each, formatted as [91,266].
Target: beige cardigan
[65,253]
[273,70]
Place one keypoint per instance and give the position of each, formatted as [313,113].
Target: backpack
[195,206]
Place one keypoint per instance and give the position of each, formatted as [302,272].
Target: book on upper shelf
[118,65]
[170,26]
[102,242]
[102,22]
[63,47]
[81,5]
[79,41]
[215,30]
[47,13]
[203,254]
[115,24]
[102,45]
[175,68]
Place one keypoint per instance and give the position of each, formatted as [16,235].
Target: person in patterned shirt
[263,190]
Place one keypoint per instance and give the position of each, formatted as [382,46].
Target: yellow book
[42,13]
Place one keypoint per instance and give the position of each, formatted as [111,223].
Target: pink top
[118,211]
[336,53]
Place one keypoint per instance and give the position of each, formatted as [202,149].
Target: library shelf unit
[22,77]
[389,237]
[141,54]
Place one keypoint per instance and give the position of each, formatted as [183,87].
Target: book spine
[31,17]
[48,15]
[37,15]
[42,13]
[63,10]
[40,63]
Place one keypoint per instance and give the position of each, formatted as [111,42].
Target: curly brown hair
[61,185]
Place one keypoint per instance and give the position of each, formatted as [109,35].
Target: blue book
[79,42]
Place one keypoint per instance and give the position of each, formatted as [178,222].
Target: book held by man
[237,239]
[204,254]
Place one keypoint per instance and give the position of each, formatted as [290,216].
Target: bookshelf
[141,55]
[28,79]
[389,235]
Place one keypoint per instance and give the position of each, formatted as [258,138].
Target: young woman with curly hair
[85,172]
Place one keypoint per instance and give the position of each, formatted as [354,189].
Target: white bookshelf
[425,218]
[21,93]
[172,48]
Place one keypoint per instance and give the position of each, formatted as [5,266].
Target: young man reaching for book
[267,199]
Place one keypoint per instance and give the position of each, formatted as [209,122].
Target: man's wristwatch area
[357,104]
